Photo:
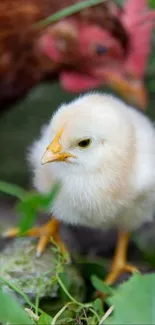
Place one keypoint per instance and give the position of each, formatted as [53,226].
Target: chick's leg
[50,229]
[119,264]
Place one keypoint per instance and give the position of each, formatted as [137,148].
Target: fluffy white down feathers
[112,181]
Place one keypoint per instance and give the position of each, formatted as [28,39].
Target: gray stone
[20,266]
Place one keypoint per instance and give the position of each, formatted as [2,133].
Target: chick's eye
[84,143]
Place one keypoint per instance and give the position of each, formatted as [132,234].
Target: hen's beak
[54,151]
[132,90]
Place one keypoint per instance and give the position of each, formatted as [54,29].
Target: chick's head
[90,134]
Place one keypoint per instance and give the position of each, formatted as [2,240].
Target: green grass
[130,303]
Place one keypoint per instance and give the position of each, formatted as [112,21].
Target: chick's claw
[11,233]
[120,264]
[50,229]
[116,272]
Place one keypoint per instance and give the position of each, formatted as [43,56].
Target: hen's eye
[84,143]
[101,49]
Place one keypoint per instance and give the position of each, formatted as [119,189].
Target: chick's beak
[50,157]
[54,152]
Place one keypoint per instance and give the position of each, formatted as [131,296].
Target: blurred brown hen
[21,64]
[22,61]
[107,51]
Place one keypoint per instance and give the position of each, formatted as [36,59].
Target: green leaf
[27,219]
[70,10]
[152,3]
[45,319]
[101,286]
[31,204]
[98,306]
[12,189]
[134,301]
[10,311]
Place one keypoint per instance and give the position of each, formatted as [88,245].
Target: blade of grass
[55,318]
[100,285]
[16,289]
[98,306]
[12,189]
[11,311]
[70,10]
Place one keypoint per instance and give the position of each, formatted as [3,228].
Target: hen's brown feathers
[22,64]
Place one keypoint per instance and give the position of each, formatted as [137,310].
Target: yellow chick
[103,153]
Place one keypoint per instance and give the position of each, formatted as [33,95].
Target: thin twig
[32,315]
[106,315]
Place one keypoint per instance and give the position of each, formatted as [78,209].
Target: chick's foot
[50,229]
[119,264]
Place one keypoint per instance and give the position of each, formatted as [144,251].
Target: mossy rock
[36,276]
